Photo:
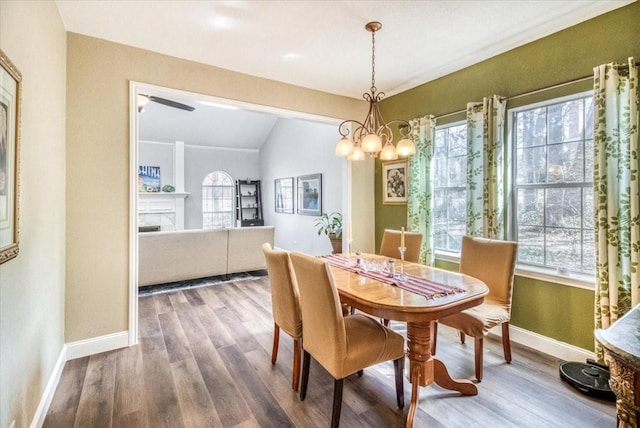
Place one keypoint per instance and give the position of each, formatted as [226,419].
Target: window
[450,186]
[553,183]
[217,200]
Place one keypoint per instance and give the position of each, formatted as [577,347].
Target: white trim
[570,279]
[96,345]
[546,345]
[576,280]
[49,390]
[134,88]
[224,149]
[133,214]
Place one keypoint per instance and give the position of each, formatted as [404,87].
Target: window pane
[564,207]
[531,207]
[440,165]
[531,245]
[457,171]
[588,118]
[566,163]
[532,165]
[217,200]
[531,127]
[440,145]
[563,248]
[553,145]
[450,163]
[458,141]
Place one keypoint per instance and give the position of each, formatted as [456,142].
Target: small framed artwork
[394,183]
[148,179]
[284,195]
[10,100]
[310,194]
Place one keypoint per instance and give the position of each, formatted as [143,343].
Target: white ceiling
[323,44]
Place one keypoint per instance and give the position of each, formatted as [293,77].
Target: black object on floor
[590,378]
[168,287]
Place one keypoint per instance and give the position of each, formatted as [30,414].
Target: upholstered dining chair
[493,262]
[285,304]
[342,345]
[391,242]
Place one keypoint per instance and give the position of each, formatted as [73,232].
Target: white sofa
[189,254]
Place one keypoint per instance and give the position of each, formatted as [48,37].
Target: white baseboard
[70,351]
[95,345]
[555,348]
[49,390]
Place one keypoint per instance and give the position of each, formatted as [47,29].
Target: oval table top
[392,302]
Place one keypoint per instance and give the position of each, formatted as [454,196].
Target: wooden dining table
[390,301]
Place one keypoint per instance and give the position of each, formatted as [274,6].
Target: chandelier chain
[373,62]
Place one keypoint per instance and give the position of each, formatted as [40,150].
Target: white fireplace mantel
[164,209]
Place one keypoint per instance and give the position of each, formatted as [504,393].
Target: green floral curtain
[485,168]
[616,192]
[420,196]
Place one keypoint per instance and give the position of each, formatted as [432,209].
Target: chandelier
[374,136]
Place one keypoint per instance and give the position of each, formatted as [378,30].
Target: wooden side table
[621,343]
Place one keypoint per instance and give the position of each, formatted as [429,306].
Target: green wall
[557,311]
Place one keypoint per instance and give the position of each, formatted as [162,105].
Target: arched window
[217,200]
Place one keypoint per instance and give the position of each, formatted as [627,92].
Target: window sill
[570,279]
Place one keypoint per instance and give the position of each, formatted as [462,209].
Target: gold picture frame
[10,103]
[394,182]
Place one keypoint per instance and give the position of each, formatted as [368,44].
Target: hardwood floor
[204,361]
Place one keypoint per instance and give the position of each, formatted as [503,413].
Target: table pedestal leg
[424,369]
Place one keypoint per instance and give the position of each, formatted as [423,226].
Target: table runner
[425,287]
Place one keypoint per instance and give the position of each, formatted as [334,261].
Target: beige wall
[32,285]
[98,162]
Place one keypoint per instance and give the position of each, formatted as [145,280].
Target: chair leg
[385,322]
[337,403]
[306,362]
[398,366]
[434,337]
[462,337]
[360,372]
[295,377]
[506,343]
[276,341]
[478,357]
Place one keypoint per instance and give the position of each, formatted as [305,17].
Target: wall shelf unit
[249,203]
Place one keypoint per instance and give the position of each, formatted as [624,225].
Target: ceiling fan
[144,99]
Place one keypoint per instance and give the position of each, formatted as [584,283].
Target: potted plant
[331,225]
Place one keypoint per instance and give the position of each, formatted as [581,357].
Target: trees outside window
[450,186]
[553,183]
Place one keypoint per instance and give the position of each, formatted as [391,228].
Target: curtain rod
[536,91]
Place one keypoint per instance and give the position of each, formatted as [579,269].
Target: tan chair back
[493,262]
[322,321]
[391,242]
[285,297]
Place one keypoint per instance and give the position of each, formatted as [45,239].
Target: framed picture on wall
[284,195]
[148,179]
[394,183]
[310,194]
[10,100]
